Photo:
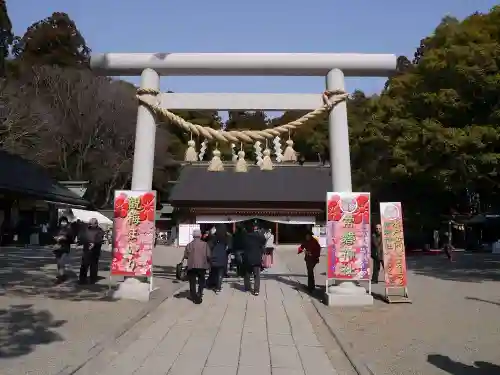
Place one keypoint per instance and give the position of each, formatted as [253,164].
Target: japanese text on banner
[134,233]
[393,244]
[348,235]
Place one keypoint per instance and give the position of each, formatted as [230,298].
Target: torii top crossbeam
[150,66]
[244,64]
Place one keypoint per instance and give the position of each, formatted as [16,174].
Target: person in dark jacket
[377,253]
[198,257]
[218,247]
[238,245]
[254,247]
[91,238]
[312,250]
[64,238]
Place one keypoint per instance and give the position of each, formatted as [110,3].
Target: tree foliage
[431,133]
[79,126]
[54,40]
[438,119]
[6,36]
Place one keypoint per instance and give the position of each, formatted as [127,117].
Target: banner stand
[396,282]
[396,298]
[150,284]
[109,284]
[348,245]
[133,244]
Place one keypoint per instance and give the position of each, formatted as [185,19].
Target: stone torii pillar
[150,66]
[145,137]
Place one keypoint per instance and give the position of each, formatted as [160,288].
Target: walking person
[377,253]
[197,254]
[448,247]
[92,239]
[312,252]
[253,250]
[270,246]
[218,247]
[64,238]
[238,246]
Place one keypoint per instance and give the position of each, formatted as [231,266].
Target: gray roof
[24,177]
[287,183]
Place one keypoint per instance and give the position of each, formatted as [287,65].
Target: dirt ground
[452,326]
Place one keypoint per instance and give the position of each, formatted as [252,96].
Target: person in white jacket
[270,244]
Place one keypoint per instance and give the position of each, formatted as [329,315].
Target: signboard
[134,233]
[319,232]
[186,233]
[391,215]
[348,236]
[393,244]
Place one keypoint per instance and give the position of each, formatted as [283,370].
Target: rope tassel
[216,162]
[190,156]
[241,164]
[267,164]
[289,154]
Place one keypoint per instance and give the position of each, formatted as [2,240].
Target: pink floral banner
[348,236]
[134,233]
[393,244]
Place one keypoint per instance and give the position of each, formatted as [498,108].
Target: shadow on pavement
[287,279]
[184,294]
[26,272]
[483,300]
[22,329]
[238,286]
[457,368]
[468,267]
[164,272]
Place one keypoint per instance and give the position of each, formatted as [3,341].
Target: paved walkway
[233,333]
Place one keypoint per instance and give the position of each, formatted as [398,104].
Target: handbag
[266,261]
[181,272]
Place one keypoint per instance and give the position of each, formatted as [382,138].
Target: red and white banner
[391,215]
[134,233]
[348,236]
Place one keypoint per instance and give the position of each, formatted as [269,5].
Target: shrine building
[289,200]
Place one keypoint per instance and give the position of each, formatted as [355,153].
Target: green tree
[53,41]
[6,36]
[244,120]
[439,118]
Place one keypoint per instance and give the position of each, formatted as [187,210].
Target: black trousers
[377,264]
[196,276]
[249,270]
[311,282]
[448,251]
[90,262]
[217,274]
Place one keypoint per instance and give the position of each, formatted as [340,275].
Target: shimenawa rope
[330,100]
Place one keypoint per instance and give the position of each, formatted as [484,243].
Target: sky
[360,26]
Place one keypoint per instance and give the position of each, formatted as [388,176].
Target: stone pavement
[45,328]
[452,326]
[233,333]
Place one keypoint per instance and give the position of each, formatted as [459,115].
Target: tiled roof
[19,175]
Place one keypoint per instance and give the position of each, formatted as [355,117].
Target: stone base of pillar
[132,288]
[348,294]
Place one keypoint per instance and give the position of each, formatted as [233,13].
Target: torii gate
[334,67]
[150,66]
